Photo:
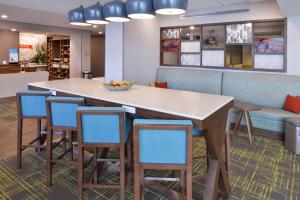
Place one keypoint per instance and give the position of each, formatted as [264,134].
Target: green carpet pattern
[265,171]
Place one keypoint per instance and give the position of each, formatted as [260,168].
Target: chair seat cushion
[271,119]
[197,132]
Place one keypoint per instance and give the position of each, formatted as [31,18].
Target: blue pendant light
[140,9]
[115,11]
[170,7]
[94,14]
[76,17]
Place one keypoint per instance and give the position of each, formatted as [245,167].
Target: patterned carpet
[265,171]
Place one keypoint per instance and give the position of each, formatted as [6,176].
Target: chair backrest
[101,125]
[163,141]
[61,111]
[32,104]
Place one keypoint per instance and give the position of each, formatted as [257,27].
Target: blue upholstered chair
[31,105]
[61,112]
[166,145]
[103,127]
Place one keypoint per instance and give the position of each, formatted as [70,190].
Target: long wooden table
[207,112]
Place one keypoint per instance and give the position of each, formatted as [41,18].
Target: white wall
[141,40]
[141,50]
[114,51]
[293,45]
[260,10]
[80,49]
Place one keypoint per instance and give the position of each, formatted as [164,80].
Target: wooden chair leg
[80,172]
[71,144]
[19,143]
[64,136]
[38,133]
[137,181]
[182,184]
[189,180]
[129,162]
[122,172]
[95,156]
[49,156]
[142,184]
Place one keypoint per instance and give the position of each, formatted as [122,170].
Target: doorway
[98,55]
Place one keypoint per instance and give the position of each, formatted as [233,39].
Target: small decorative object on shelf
[119,85]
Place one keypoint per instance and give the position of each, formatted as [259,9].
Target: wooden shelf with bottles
[58,58]
[49,52]
[59,71]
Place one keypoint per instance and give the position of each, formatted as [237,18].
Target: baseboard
[7,99]
[261,132]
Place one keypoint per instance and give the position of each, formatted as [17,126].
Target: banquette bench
[268,91]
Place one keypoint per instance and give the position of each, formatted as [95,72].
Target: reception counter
[11,83]
[9,68]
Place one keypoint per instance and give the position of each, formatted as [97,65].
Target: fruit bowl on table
[119,85]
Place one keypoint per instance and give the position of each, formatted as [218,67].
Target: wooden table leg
[249,126]
[217,174]
[227,155]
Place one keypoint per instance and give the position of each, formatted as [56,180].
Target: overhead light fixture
[170,7]
[115,11]
[192,27]
[94,14]
[95,26]
[13,30]
[76,17]
[140,9]
[100,33]
[4,16]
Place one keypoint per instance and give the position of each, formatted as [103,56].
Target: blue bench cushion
[33,106]
[103,128]
[267,118]
[267,90]
[195,80]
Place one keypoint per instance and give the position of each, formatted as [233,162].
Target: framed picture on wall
[269,45]
[170,45]
[213,37]
[239,33]
[170,33]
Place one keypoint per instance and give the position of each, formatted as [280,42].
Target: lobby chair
[31,105]
[103,128]
[61,116]
[163,145]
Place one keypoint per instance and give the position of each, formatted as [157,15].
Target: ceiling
[54,12]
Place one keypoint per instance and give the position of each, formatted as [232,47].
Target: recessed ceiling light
[192,27]
[4,16]
[95,26]
[13,29]
[100,32]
